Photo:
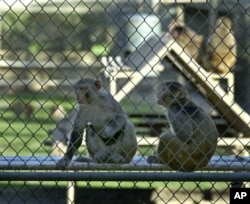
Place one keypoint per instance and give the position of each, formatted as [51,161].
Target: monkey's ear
[98,84]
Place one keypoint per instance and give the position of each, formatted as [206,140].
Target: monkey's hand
[100,157]
[63,163]
[108,132]
[113,127]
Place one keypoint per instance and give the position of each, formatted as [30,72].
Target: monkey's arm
[74,143]
[114,126]
[183,127]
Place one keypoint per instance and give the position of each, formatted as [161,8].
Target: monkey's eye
[81,88]
[179,29]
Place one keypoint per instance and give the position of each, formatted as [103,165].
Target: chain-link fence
[132,48]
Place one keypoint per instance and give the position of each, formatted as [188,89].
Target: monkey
[192,137]
[187,38]
[221,48]
[57,112]
[111,136]
[218,54]
[22,108]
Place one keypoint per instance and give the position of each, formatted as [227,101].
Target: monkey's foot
[100,157]
[152,159]
[117,159]
[63,163]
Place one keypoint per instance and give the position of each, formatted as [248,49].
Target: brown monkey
[57,111]
[192,138]
[110,136]
[187,38]
[22,108]
[221,49]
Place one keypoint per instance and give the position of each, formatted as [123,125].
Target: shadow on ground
[57,195]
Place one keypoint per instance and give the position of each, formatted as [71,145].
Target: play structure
[146,61]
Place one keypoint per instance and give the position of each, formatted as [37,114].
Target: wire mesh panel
[124,101]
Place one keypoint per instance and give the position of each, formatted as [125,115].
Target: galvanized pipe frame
[126,176]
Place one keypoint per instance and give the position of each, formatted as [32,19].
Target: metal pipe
[125,176]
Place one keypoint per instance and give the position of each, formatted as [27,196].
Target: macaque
[110,136]
[218,54]
[22,108]
[192,138]
[57,111]
[221,49]
[187,38]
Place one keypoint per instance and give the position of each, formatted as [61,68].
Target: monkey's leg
[74,143]
[162,154]
[171,146]
[177,154]
[97,149]
[123,150]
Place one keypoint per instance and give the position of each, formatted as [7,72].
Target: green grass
[25,136]
[99,50]
[154,185]
[140,107]
[22,136]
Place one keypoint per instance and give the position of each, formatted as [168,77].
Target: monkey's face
[164,96]
[82,94]
[170,93]
[176,28]
[87,90]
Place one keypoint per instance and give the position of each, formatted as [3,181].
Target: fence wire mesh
[131,47]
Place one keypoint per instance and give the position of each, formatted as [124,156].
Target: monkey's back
[222,48]
[204,141]
[198,150]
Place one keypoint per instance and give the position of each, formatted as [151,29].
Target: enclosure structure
[47,46]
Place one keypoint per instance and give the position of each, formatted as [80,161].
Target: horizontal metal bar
[139,164]
[124,176]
